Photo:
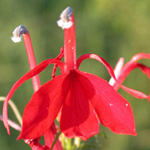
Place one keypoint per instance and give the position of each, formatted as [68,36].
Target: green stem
[14,108]
[55,140]
[12,124]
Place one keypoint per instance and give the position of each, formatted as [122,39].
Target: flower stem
[55,140]
[14,108]
[12,124]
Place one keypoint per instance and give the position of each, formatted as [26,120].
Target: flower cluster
[80,101]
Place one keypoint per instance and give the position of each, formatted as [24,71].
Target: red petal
[77,116]
[145,69]
[117,71]
[125,72]
[42,109]
[27,76]
[149,98]
[127,69]
[112,109]
[140,56]
[98,58]
[134,93]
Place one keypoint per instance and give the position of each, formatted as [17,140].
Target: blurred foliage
[111,29]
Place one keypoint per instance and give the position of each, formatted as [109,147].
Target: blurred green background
[111,29]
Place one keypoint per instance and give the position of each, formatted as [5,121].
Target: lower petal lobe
[111,108]
[43,108]
[77,116]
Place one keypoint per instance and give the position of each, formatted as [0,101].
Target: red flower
[49,135]
[82,99]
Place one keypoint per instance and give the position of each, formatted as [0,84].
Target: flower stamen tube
[19,32]
[67,23]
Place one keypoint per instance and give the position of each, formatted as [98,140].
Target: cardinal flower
[49,135]
[82,100]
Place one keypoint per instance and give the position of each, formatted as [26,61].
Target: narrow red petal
[77,117]
[117,70]
[134,93]
[127,69]
[140,56]
[149,98]
[98,58]
[112,109]
[145,69]
[125,72]
[27,76]
[42,109]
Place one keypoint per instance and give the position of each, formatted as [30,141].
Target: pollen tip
[18,32]
[64,21]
